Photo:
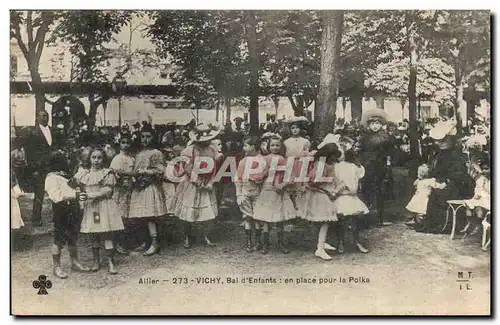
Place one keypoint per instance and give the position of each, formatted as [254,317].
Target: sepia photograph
[250,162]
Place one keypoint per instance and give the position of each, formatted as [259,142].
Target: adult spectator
[271,124]
[448,165]
[38,149]
[90,136]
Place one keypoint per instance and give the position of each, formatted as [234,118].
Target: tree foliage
[392,78]
[409,54]
[88,34]
[291,56]
[30,29]
[206,51]
[462,38]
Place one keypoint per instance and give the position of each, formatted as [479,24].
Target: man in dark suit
[38,148]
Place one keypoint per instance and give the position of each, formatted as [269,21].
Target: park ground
[406,273]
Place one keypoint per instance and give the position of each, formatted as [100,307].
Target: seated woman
[447,165]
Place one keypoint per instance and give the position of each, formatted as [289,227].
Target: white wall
[139,109]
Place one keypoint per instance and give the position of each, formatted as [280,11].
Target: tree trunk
[412,99]
[94,105]
[217,106]
[251,36]
[459,96]
[93,109]
[104,108]
[344,104]
[300,111]
[276,101]
[403,103]
[326,105]
[300,108]
[471,106]
[33,48]
[36,85]
[419,109]
[297,105]
[380,101]
[227,103]
[356,105]
[39,99]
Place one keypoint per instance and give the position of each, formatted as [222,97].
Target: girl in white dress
[247,193]
[273,204]
[424,185]
[316,203]
[147,201]
[348,206]
[16,222]
[169,185]
[477,207]
[101,216]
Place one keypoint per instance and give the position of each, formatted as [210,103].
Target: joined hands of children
[82,196]
[143,172]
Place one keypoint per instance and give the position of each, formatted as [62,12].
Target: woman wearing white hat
[195,199]
[447,165]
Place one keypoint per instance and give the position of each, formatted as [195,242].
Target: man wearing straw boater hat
[376,151]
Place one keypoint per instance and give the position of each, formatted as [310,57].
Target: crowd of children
[107,194]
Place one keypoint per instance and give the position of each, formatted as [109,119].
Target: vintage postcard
[250,162]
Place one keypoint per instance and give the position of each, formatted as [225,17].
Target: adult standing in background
[271,124]
[38,148]
[90,135]
[236,140]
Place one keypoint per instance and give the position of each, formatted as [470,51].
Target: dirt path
[408,272]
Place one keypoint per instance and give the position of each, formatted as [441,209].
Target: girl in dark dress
[376,149]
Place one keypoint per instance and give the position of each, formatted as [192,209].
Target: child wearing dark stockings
[349,207]
[101,216]
[66,212]
[247,192]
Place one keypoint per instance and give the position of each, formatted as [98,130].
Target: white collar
[43,127]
